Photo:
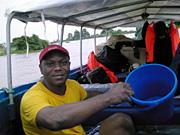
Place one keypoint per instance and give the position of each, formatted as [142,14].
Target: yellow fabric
[38,97]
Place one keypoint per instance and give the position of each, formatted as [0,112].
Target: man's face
[55,68]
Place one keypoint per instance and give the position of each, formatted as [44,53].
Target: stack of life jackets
[161,42]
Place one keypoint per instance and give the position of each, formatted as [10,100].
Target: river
[25,68]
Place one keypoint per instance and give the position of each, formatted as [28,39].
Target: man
[56,105]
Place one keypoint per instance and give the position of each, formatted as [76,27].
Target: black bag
[98,75]
[113,59]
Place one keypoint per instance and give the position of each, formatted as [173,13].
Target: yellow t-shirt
[38,97]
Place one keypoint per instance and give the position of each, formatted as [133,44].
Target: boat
[97,14]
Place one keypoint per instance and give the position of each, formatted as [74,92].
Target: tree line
[20,44]
[86,34]
[34,43]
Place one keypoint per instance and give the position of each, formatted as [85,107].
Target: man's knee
[118,122]
[121,118]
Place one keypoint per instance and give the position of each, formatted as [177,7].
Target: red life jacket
[174,34]
[93,63]
[150,40]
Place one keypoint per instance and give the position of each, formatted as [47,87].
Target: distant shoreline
[3,51]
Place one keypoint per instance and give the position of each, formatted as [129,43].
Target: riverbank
[2,51]
[25,68]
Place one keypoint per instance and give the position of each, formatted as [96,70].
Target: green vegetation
[2,50]
[114,32]
[76,36]
[86,35]
[19,44]
[34,42]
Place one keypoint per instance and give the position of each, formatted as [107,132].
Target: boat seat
[10,115]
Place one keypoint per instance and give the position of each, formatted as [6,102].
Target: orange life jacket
[150,40]
[174,34]
[93,63]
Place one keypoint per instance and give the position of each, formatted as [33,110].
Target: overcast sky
[4,4]
[17,27]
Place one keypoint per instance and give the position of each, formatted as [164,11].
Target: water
[25,69]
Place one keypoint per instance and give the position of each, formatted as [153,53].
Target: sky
[4,4]
[17,27]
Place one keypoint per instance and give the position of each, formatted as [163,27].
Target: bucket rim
[156,101]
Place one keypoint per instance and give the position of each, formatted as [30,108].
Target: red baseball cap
[52,47]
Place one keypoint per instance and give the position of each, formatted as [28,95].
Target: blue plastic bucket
[154,86]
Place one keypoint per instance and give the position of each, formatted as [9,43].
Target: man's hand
[119,93]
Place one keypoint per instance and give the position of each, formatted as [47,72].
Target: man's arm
[96,89]
[69,115]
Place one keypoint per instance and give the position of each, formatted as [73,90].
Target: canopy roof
[98,13]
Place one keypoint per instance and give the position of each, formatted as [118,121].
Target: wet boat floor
[158,130]
[147,130]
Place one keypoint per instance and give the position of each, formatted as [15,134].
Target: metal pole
[44,23]
[62,33]
[26,41]
[81,48]
[57,32]
[95,39]
[8,50]
[107,35]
